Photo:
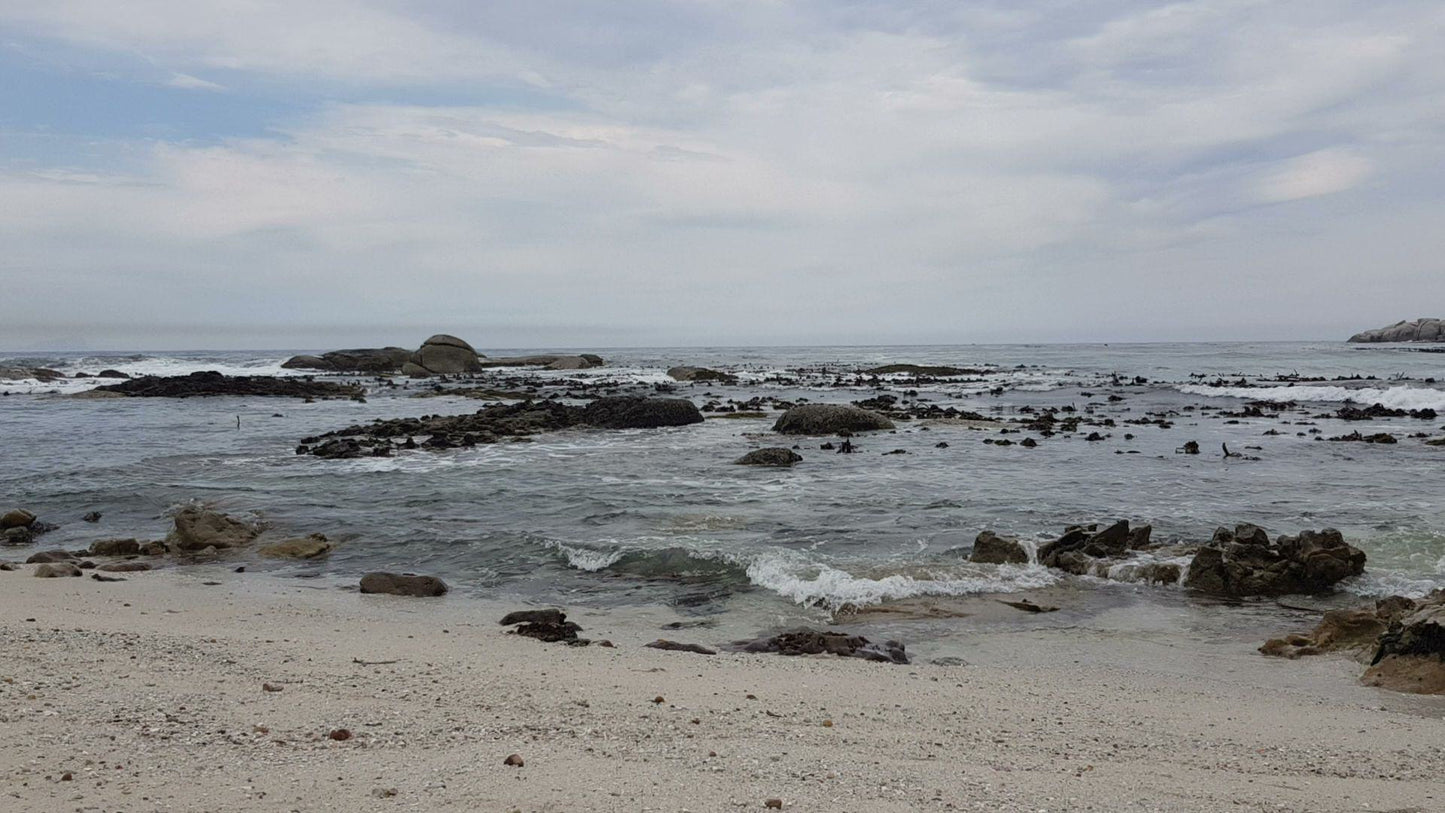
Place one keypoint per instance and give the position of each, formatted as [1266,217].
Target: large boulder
[634,412]
[1411,654]
[992,549]
[358,360]
[1356,630]
[829,419]
[1419,330]
[18,518]
[403,584]
[446,355]
[199,528]
[1243,562]
[776,456]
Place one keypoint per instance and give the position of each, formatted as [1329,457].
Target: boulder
[533,617]
[701,374]
[1242,562]
[776,456]
[50,556]
[1418,330]
[411,370]
[18,518]
[992,549]
[199,528]
[112,374]
[306,547]
[304,362]
[114,547]
[358,360]
[829,419]
[446,355]
[1077,549]
[1356,630]
[550,626]
[676,646]
[1411,654]
[56,570]
[634,412]
[211,383]
[403,584]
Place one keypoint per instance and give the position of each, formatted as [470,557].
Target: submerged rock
[992,549]
[403,584]
[818,642]
[829,419]
[1242,562]
[775,456]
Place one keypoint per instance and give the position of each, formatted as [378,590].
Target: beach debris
[383,793]
[549,626]
[403,584]
[659,700]
[774,456]
[675,646]
[773,804]
[514,761]
[1028,606]
[818,642]
[360,662]
[271,687]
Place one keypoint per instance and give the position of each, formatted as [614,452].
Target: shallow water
[633,518]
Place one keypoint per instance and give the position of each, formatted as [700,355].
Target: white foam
[823,585]
[1378,584]
[1402,397]
[588,559]
[137,367]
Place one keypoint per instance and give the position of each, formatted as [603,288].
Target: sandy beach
[165,693]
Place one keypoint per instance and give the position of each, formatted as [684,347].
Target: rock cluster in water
[1418,330]
[210,383]
[442,354]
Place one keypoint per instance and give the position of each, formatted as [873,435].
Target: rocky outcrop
[992,549]
[403,584]
[1418,330]
[924,371]
[115,547]
[373,360]
[1243,562]
[829,419]
[198,528]
[775,456]
[211,383]
[1087,551]
[487,425]
[701,375]
[44,375]
[444,354]
[1355,630]
[21,527]
[633,412]
[306,547]
[1411,653]
[17,518]
[819,642]
[583,361]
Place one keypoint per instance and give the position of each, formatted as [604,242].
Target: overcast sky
[257,174]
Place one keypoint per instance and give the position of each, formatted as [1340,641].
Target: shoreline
[163,676]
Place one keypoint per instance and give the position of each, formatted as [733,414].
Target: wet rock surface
[197,529]
[403,584]
[211,383]
[1415,330]
[1243,562]
[636,412]
[312,546]
[820,642]
[992,549]
[829,419]
[776,456]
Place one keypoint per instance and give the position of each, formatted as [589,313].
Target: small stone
[383,793]
[659,699]
[67,777]
[773,804]
[271,687]
[515,761]
[93,516]
[340,735]
[827,723]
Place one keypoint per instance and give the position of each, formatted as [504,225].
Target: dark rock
[210,383]
[114,547]
[1075,550]
[403,584]
[1410,656]
[47,556]
[112,374]
[702,375]
[1350,630]
[548,616]
[199,528]
[548,626]
[443,354]
[674,646]
[776,456]
[991,549]
[125,567]
[1028,606]
[632,412]
[361,360]
[924,371]
[1242,563]
[18,518]
[306,547]
[93,516]
[1378,437]
[817,642]
[514,761]
[486,425]
[585,361]
[829,419]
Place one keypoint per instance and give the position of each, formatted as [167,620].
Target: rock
[369,360]
[674,646]
[199,528]
[17,536]
[1411,654]
[56,570]
[533,617]
[1078,547]
[412,370]
[403,584]
[114,547]
[443,354]
[817,642]
[92,516]
[486,425]
[514,761]
[1158,573]
[18,518]
[46,556]
[304,362]
[306,547]
[112,374]
[583,361]
[632,412]
[991,549]
[701,375]
[208,383]
[339,734]
[1243,563]
[923,371]
[829,419]
[1028,606]
[125,567]
[1418,330]
[1356,630]
[775,456]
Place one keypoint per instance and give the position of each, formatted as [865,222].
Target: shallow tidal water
[633,519]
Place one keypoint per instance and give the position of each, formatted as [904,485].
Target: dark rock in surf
[634,412]
[377,360]
[992,549]
[776,456]
[548,616]
[211,383]
[198,528]
[403,584]
[829,419]
[1243,562]
[701,375]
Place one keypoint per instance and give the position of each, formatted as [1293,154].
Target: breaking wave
[1392,397]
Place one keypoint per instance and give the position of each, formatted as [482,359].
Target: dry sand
[148,695]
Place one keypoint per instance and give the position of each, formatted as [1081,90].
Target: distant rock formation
[441,354]
[1420,330]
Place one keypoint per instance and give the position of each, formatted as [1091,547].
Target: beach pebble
[515,761]
[340,734]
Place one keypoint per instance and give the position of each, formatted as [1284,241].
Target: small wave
[1392,397]
[1378,584]
[821,585]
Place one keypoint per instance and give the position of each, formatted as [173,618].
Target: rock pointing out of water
[208,383]
[199,528]
[776,456]
[1243,562]
[307,547]
[829,419]
[444,354]
[1419,330]
[360,360]
[629,412]
[991,549]
[403,584]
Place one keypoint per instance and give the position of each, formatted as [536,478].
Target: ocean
[612,520]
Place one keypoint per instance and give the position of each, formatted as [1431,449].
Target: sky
[188,174]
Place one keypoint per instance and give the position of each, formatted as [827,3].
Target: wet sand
[149,694]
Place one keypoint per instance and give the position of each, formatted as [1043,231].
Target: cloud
[185,81]
[1323,172]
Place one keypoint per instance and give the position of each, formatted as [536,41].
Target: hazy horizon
[649,174]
